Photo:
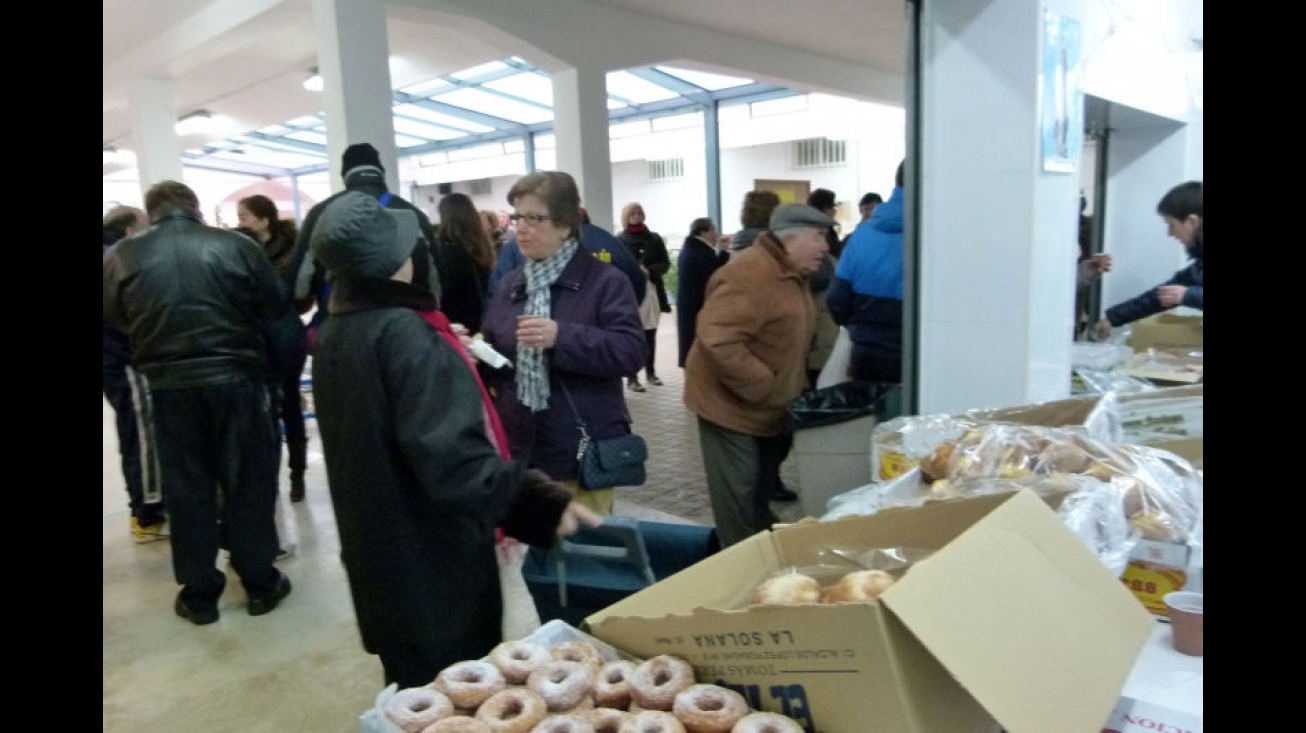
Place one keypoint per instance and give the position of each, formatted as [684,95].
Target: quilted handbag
[607,462]
[612,461]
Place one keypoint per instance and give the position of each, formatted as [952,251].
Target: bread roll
[859,586]
[787,589]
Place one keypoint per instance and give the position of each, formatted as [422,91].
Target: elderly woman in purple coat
[565,320]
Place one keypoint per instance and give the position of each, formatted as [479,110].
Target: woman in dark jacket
[259,216]
[464,256]
[416,469]
[650,251]
[564,319]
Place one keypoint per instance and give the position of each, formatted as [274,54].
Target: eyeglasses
[532,218]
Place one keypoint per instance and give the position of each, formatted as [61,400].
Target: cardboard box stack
[1011,620]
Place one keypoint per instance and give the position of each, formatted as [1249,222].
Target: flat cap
[793,216]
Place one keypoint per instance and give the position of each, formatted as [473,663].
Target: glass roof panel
[430,132]
[475,71]
[480,100]
[616,104]
[629,129]
[430,115]
[263,156]
[640,91]
[528,85]
[405,141]
[426,88]
[677,122]
[712,82]
[309,136]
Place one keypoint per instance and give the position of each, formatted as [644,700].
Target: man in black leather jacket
[207,318]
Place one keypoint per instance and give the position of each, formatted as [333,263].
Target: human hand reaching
[1171,295]
[574,516]
[1102,329]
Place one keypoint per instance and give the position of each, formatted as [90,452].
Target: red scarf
[637,228]
[494,429]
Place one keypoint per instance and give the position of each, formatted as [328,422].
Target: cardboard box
[831,460]
[1165,329]
[1011,620]
[1177,365]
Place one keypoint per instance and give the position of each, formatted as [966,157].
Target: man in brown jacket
[748,362]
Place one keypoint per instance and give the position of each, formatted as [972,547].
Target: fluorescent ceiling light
[314,83]
[198,121]
[117,155]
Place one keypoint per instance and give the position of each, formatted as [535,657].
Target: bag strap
[385,198]
[580,422]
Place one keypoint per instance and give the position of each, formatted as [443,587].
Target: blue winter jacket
[866,295]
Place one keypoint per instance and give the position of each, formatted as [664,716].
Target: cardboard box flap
[1073,411]
[993,627]
[726,582]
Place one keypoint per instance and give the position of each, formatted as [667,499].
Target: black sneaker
[653,380]
[266,603]
[199,614]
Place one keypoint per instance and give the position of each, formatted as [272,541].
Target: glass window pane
[430,132]
[427,88]
[309,136]
[640,91]
[629,129]
[677,122]
[430,115]
[475,71]
[713,82]
[532,86]
[480,100]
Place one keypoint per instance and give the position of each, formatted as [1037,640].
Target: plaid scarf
[532,371]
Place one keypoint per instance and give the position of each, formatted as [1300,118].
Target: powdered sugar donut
[517,659]
[562,684]
[563,724]
[414,708]
[468,684]
[657,680]
[512,710]
[457,724]
[766,723]
[608,720]
[578,651]
[653,721]
[709,708]
[612,684]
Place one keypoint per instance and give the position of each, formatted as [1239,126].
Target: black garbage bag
[840,403]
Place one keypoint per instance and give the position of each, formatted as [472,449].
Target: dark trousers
[118,391]
[218,455]
[289,409]
[875,365]
[737,467]
[651,336]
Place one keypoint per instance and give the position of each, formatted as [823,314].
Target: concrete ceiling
[244,60]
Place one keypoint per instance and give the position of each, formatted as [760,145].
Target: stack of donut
[794,588]
[527,687]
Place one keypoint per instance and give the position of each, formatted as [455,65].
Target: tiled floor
[302,667]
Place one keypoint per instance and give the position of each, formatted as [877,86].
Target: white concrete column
[996,301]
[154,120]
[580,125]
[353,57]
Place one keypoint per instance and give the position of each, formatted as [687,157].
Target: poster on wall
[1061,109]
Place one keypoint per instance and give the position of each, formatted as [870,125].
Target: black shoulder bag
[608,462]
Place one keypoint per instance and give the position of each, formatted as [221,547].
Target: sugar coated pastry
[562,684]
[766,723]
[608,720]
[563,724]
[469,683]
[653,721]
[458,724]
[709,708]
[787,589]
[578,651]
[513,710]
[517,659]
[612,684]
[657,680]
[859,585]
[414,708]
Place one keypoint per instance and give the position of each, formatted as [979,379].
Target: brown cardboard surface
[1011,618]
[1165,329]
[1027,618]
[1163,365]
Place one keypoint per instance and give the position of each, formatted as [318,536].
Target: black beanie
[359,154]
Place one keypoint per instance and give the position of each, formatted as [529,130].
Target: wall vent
[668,169]
[480,187]
[819,152]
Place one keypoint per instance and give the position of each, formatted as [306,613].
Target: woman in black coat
[650,251]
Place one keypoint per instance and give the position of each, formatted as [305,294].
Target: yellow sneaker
[149,533]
